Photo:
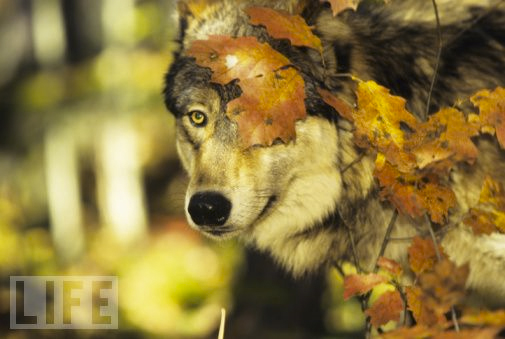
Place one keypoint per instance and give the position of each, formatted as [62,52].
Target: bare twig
[352,163]
[386,239]
[353,248]
[437,62]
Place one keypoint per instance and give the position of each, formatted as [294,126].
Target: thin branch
[386,239]
[352,163]
[353,248]
[437,63]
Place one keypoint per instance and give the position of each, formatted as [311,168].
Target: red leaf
[342,107]
[391,266]
[357,284]
[388,307]
[422,254]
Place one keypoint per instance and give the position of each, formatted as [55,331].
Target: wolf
[313,202]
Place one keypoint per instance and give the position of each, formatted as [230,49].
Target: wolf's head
[266,194]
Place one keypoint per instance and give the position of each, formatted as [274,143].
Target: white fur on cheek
[309,197]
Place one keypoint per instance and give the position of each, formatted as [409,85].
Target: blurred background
[90,184]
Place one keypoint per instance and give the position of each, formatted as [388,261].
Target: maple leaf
[414,194]
[492,112]
[422,255]
[423,314]
[357,284]
[387,307]
[489,215]
[446,135]
[261,116]
[342,107]
[282,25]
[391,266]
[444,286]
[484,317]
[418,332]
[383,122]
[480,221]
[478,333]
[338,6]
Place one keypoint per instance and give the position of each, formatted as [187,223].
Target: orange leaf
[489,215]
[480,221]
[422,313]
[444,286]
[388,307]
[357,284]
[484,317]
[282,25]
[391,266]
[342,107]
[422,254]
[417,332]
[262,117]
[338,6]
[492,112]
[477,333]
[447,135]
[414,194]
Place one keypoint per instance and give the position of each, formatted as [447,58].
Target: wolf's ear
[189,10]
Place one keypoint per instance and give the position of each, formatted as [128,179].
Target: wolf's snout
[209,209]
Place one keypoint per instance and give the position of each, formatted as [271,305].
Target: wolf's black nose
[209,209]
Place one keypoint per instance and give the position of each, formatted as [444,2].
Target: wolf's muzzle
[209,209]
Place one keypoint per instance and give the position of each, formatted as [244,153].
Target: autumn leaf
[414,194]
[444,286]
[477,333]
[357,284]
[338,6]
[236,58]
[262,118]
[282,25]
[383,122]
[484,317]
[446,135]
[480,221]
[423,314]
[342,107]
[417,332]
[492,112]
[489,215]
[391,266]
[422,255]
[387,307]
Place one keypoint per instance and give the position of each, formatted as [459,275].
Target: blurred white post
[62,180]
[119,179]
[48,32]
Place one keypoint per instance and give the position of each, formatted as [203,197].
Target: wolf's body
[301,201]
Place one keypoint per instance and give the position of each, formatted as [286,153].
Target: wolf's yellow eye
[198,118]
